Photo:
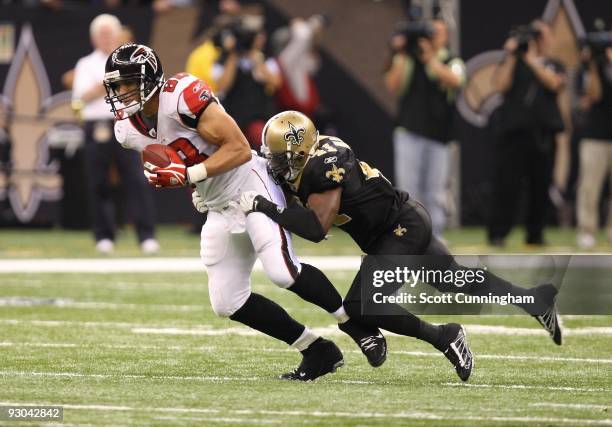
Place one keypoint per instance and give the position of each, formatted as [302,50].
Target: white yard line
[586,406]
[149,265]
[531,387]
[332,330]
[289,350]
[20,301]
[193,264]
[202,378]
[327,414]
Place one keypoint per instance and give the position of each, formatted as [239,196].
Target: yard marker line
[19,301]
[328,414]
[530,387]
[207,330]
[571,405]
[157,377]
[278,350]
[149,265]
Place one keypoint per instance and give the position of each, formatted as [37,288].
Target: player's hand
[172,176]
[248,201]
[198,202]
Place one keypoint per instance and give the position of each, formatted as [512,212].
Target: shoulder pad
[329,165]
[192,102]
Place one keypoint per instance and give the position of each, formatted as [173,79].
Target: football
[159,155]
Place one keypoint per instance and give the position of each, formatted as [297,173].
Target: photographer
[526,123]
[596,145]
[245,80]
[425,78]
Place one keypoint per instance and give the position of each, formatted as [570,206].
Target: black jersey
[369,204]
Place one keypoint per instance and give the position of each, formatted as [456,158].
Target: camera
[244,36]
[598,42]
[523,34]
[412,32]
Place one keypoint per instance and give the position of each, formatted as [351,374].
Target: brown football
[157,154]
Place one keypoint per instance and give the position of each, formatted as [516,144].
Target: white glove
[247,201]
[198,202]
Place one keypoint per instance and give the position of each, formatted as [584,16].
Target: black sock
[313,286]
[268,317]
[407,324]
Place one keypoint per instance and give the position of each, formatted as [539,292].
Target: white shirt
[89,72]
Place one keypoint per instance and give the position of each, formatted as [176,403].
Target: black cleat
[456,349]
[320,358]
[549,319]
[370,340]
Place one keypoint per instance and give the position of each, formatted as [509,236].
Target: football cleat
[550,319]
[370,340]
[320,358]
[456,349]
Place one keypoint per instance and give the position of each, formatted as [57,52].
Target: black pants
[415,238]
[100,150]
[522,157]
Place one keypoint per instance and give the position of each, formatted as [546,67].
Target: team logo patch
[295,135]
[399,231]
[335,174]
[204,95]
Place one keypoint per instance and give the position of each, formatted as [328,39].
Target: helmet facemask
[284,166]
[124,105]
[137,66]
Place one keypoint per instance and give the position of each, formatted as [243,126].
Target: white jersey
[182,101]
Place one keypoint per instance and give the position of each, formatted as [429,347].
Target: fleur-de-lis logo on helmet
[295,135]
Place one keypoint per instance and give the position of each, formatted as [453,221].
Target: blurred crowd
[256,75]
[425,79]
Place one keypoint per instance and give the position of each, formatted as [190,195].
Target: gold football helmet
[286,142]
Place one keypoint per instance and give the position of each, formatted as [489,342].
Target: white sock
[340,315]
[307,338]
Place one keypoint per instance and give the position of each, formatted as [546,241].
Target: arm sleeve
[192,102]
[295,218]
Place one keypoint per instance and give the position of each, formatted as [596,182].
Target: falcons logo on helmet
[144,54]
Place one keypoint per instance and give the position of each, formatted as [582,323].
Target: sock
[264,315]
[340,315]
[407,324]
[305,339]
[313,286]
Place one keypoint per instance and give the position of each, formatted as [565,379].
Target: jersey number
[172,82]
[188,151]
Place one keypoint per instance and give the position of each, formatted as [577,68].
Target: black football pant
[418,240]
[523,157]
[101,149]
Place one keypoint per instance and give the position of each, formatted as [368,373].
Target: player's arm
[311,223]
[217,127]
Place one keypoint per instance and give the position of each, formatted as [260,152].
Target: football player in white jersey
[183,113]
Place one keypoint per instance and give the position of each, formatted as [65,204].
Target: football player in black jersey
[335,188]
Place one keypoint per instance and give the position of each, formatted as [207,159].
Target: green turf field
[146,349]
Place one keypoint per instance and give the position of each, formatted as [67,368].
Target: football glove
[198,202]
[248,201]
[172,176]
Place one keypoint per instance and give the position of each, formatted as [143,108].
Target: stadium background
[40,45]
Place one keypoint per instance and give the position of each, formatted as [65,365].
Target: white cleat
[149,246]
[105,246]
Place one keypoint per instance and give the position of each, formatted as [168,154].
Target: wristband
[197,173]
